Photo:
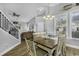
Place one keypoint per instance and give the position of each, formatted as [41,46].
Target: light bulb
[53,16]
[44,17]
[48,16]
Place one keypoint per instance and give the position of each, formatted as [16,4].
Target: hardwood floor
[21,50]
[72,51]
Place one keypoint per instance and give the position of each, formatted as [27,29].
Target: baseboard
[10,48]
[73,46]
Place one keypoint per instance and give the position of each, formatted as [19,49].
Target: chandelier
[48,16]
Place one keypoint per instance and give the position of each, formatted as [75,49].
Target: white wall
[24,28]
[7,42]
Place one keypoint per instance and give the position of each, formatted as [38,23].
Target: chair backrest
[28,35]
[61,48]
[29,52]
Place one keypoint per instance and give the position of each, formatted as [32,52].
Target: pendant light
[48,16]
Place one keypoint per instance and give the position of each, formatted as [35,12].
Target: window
[40,27]
[0,19]
[51,27]
[74,24]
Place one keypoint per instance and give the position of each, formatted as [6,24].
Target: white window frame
[70,29]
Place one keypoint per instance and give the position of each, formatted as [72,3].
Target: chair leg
[52,51]
[34,48]
[28,48]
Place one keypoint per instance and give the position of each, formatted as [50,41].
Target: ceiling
[29,10]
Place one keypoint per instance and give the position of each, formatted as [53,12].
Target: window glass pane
[40,27]
[50,27]
[75,26]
